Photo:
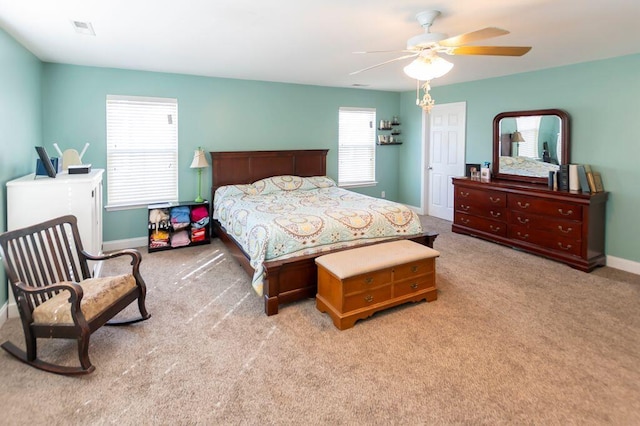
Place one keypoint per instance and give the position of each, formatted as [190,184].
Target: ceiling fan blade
[490,50]
[473,36]
[382,51]
[413,55]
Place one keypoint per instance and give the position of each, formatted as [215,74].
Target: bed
[289,277]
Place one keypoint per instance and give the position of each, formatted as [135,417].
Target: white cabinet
[32,200]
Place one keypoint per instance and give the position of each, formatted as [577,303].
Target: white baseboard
[123,244]
[623,264]
[4,313]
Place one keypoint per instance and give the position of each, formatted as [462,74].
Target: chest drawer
[366,298]
[481,224]
[546,239]
[414,285]
[366,281]
[470,196]
[414,269]
[540,206]
[564,228]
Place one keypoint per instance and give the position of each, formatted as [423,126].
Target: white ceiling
[300,41]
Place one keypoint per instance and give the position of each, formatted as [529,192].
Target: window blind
[356,146]
[142,150]
[529,128]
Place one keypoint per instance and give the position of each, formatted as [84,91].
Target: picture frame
[469,167]
[46,162]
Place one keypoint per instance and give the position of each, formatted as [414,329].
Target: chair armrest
[136,258]
[74,288]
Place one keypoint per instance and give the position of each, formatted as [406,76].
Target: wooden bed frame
[290,279]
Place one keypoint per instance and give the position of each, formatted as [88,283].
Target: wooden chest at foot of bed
[354,284]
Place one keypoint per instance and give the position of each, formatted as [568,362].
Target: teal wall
[20,121]
[603,101]
[217,114]
[47,103]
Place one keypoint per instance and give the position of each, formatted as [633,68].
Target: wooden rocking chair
[56,295]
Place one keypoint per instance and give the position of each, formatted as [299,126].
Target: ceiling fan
[425,47]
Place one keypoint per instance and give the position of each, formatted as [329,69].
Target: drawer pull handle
[562,212]
[368,298]
[494,200]
[414,269]
[414,286]
[566,231]
[463,220]
[465,208]
[464,194]
[495,214]
[523,236]
[494,228]
[567,247]
[521,220]
[524,206]
[368,280]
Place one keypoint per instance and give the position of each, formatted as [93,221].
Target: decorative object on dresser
[384,275]
[520,210]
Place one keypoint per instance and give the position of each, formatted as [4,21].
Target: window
[356,146]
[529,129]
[142,150]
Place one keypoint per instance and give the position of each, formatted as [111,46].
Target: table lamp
[199,162]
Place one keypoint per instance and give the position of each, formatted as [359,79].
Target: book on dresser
[582,177]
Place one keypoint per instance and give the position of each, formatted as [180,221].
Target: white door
[445,156]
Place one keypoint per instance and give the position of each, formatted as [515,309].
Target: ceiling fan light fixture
[425,68]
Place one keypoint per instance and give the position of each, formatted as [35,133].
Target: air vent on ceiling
[84,28]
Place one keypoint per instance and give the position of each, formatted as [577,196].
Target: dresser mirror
[527,145]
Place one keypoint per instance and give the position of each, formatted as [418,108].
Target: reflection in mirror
[530,144]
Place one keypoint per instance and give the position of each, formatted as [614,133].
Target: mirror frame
[566,143]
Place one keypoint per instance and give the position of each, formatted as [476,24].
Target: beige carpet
[512,339]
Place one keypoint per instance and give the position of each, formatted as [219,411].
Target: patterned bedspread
[287,216]
[524,166]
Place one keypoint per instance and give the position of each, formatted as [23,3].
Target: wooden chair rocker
[49,275]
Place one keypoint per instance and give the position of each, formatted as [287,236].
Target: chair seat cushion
[99,294]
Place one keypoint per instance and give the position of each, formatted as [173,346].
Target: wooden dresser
[565,226]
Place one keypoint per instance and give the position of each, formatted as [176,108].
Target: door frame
[426,140]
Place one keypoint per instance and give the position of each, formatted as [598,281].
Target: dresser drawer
[366,281]
[481,224]
[535,205]
[490,212]
[414,269]
[470,196]
[366,298]
[564,228]
[548,240]
[414,285]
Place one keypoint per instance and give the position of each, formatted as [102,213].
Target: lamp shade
[517,137]
[199,160]
[426,68]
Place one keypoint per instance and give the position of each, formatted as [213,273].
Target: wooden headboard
[238,167]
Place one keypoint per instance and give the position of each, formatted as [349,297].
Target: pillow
[230,190]
[321,181]
[278,183]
